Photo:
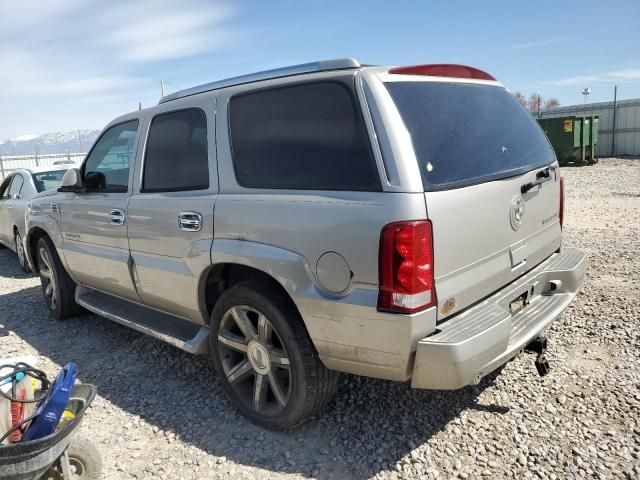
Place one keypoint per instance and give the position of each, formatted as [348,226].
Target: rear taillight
[561,213]
[406,267]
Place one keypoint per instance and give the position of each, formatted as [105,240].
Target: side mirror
[71,181]
[95,181]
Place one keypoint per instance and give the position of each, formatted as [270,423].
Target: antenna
[161,88]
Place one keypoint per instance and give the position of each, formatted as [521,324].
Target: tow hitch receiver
[539,346]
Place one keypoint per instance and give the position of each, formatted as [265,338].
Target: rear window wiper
[541,177]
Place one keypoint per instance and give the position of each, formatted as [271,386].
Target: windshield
[48,180]
[464,134]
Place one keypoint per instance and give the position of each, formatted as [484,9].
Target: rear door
[9,206]
[171,211]
[492,186]
[94,223]
[5,213]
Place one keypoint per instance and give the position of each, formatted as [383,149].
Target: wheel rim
[78,470]
[77,467]
[254,360]
[48,279]
[20,250]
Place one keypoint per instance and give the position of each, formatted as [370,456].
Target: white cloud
[18,15]
[88,85]
[536,44]
[69,64]
[151,31]
[625,75]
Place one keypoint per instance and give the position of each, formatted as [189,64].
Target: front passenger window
[107,166]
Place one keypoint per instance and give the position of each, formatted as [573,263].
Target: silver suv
[400,223]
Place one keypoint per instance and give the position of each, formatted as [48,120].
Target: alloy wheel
[255,360]
[20,250]
[48,279]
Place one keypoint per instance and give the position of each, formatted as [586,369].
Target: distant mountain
[76,141]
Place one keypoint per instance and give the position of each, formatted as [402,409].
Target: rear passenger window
[176,156]
[16,185]
[310,136]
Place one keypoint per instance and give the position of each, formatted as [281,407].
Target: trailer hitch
[539,346]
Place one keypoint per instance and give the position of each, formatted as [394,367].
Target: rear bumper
[486,336]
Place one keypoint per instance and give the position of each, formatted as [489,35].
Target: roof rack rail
[320,66]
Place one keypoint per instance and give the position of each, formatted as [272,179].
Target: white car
[15,192]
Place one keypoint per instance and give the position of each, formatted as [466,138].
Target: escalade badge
[516,212]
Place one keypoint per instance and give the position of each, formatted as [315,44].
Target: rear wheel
[57,285]
[22,258]
[265,358]
[85,462]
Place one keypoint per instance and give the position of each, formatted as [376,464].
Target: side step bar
[175,331]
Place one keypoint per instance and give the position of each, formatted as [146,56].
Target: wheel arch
[238,261]
[30,246]
[49,228]
[222,276]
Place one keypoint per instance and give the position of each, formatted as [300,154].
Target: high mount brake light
[443,70]
[407,282]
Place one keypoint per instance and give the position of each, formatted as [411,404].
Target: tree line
[536,101]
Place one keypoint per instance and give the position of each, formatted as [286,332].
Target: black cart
[59,456]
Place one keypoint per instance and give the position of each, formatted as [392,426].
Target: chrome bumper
[486,336]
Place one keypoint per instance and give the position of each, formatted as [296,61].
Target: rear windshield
[464,134]
[48,180]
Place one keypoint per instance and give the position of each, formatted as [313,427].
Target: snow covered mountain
[60,142]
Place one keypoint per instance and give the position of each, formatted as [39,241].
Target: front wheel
[57,286]
[265,358]
[22,257]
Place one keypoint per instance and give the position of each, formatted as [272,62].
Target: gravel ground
[161,413]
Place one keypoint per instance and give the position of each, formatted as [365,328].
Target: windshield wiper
[541,177]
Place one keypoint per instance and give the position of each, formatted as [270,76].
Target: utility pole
[539,105]
[1,168]
[161,88]
[613,127]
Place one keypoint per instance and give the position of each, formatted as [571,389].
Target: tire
[85,461]
[265,359]
[57,286]
[22,257]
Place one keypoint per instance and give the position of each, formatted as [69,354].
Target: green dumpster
[573,138]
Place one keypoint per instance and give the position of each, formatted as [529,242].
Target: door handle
[190,221]
[117,216]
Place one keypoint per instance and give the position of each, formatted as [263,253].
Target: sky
[76,64]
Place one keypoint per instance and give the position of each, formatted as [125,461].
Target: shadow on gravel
[10,266]
[370,425]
